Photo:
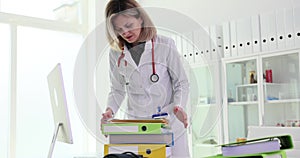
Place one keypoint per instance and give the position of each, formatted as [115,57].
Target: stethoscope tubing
[154,76]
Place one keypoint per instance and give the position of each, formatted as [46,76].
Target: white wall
[208,12]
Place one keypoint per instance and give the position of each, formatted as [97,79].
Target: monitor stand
[54,140]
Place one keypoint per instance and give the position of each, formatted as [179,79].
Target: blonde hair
[127,8]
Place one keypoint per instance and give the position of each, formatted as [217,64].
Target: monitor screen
[59,105]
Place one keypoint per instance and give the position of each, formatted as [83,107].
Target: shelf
[274,84]
[204,105]
[283,101]
[247,85]
[243,103]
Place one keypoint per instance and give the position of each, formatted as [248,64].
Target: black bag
[123,155]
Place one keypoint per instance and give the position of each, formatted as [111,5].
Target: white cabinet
[261,90]
[281,105]
[241,96]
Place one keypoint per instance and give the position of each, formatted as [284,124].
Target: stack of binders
[149,138]
[273,146]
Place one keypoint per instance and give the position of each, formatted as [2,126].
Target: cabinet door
[281,89]
[205,109]
[241,97]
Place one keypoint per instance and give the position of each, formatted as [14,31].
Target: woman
[147,68]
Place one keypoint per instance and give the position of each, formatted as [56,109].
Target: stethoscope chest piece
[154,78]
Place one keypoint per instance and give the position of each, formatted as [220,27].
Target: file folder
[139,121]
[297,26]
[289,27]
[199,45]
[134,128]
[178,42]
[216,47]
[277,154]
[165,138]
[206,44]
[280,28]
[233,38]
[147,150]
[251,148]
[226,38]
[256,38]
[190,47]
[272,35]
[268,31]
[244,36]
[259,145]
[184,48]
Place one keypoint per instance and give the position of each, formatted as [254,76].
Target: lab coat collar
[147,50]
[128,58]
[148,46]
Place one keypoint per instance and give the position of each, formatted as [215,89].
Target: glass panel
[4,88]
[205,118]
[242,81]
[65,10]
[242,95]
[239,118]
[281,90]
[38,52]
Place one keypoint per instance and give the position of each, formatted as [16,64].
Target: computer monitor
[60,112]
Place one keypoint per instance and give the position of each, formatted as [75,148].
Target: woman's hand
[181,115]
[106,116]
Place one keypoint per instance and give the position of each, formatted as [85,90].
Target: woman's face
[128,27]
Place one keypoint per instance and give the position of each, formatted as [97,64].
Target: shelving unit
[260,103]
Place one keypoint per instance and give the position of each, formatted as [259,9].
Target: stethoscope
[154,76]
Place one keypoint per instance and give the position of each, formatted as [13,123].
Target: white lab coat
[144,96]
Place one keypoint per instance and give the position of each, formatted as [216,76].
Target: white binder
[199,45]
[178,42]
[264,28]
[206,44]
[216,46]
[256,39]
[244,36]
[268,31]
[233,38]
[289,27]
[297,26]
[272,32]
[190,47]
[280,28]
[184,48]
[268,21]
[226,39]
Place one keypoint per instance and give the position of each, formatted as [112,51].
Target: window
[4,88]
[38,52]
[65,10]
[41,39]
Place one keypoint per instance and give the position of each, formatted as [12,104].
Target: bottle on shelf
[269,77]
[252,77]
